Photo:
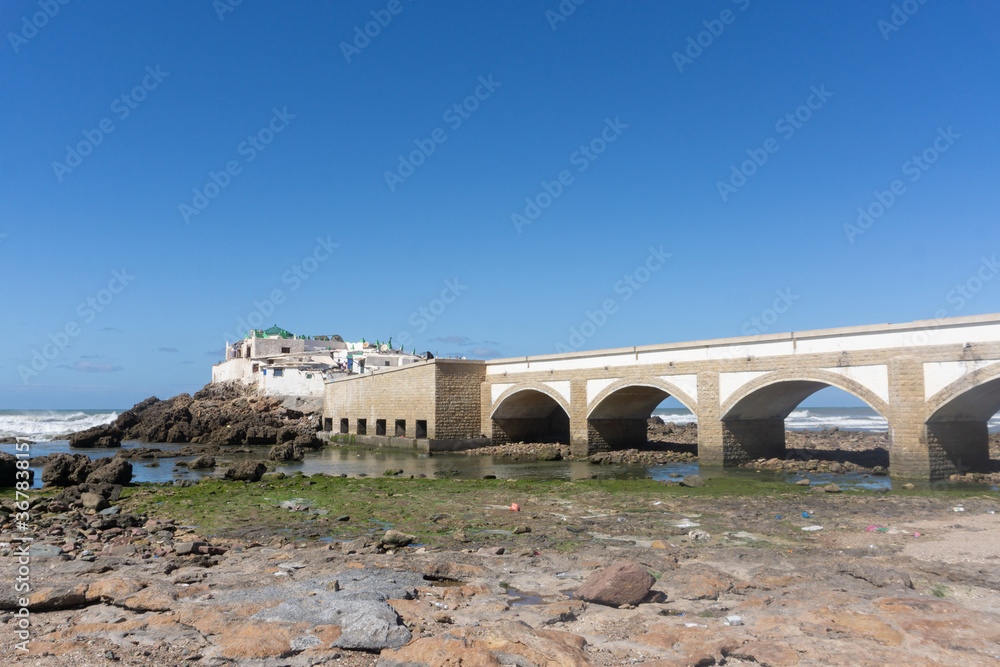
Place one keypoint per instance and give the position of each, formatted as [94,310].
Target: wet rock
[202,462]
[831,488]
[66,469]
[8,471]
[103,436]
[693,481]
[117,471]
[622,583]
[246,471]
[286,451]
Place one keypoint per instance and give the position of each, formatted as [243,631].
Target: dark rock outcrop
[246,471]
[117,471]
[8,471]
[97,437]
[227,414]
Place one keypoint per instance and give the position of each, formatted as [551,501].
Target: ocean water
[55,425]
[49,425]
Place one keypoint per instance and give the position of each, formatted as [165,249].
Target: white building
[279,363]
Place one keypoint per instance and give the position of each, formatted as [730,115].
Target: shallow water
[373,463]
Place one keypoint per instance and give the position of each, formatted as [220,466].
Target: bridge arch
[617,416]
[957,420]
[753,418]
[530,412]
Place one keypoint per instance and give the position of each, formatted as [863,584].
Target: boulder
[94,501]
[622,583]
[394,539]
[246,471]
[286,451]
[202,462]
[118,471]
[66,469]
[308,441]
[103,436]
[693,481]
[8,471]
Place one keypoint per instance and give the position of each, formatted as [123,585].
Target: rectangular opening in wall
[344,425]
[328,424]
[379,427]
[362,427]
[400,428]
[421,431]
[286,350]
[278,372]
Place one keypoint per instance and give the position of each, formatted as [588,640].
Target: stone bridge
[936,382]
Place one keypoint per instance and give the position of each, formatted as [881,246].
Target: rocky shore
[294,570]
[221,415]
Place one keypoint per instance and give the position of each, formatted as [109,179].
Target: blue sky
[272,163]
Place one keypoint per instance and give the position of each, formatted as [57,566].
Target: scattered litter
[812,528]
[991,511]
[917,535]
[514,507]
[807,515]
[658,503]
[694,625]
[686,523]
[734,620]
[957,509]
[874,528]
[440,605]
[777,516]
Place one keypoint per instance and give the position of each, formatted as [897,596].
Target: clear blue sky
[309,118]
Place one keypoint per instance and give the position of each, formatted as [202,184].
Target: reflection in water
[373,463]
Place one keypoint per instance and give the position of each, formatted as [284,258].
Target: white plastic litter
[812,528]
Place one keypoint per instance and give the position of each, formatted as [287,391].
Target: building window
[387,363]
[362,427]
[421,429]
[309,376]
[286,350]
[328,424]
[379,427]
[279,372]
[400,428]
[256,368]
[344,425]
